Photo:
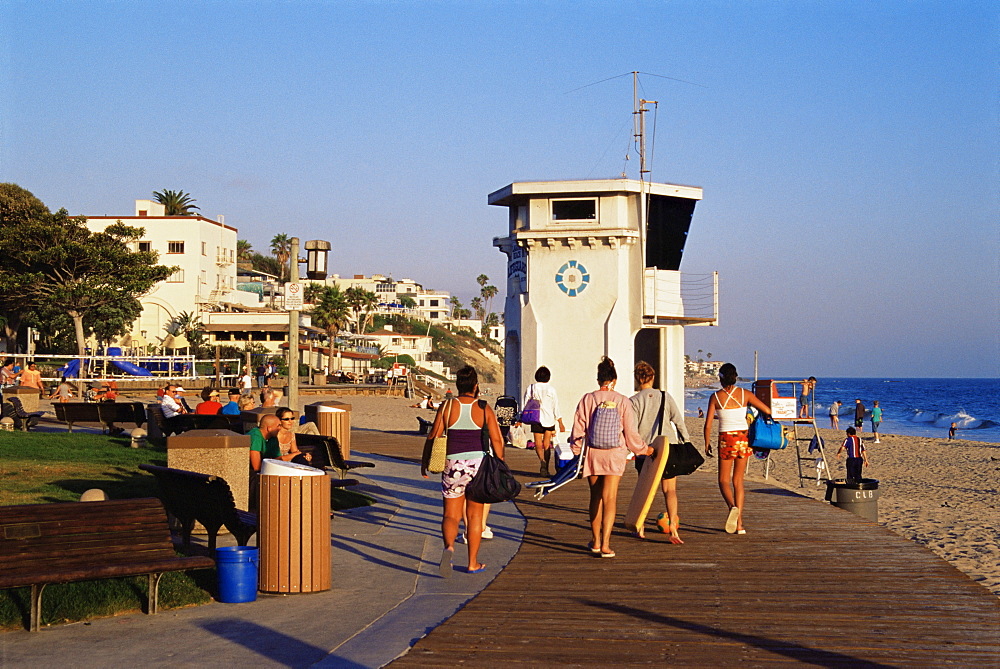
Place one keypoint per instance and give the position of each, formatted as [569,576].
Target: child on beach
[951,431]
[876,419]
[857,456]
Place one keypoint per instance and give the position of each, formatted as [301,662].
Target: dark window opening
[666,232]
[574,210]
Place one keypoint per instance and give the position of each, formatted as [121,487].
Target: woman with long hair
[464,418]
[605,422]
[730,405]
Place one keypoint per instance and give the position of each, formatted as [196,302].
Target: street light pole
[293,330]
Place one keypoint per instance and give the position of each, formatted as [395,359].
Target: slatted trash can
[860,497]
[333,419]
[293,528]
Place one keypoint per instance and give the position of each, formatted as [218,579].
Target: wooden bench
[42,544]
[424,425]
[23,419]
[107,413]
[192,497]
[193,421]
[327,454]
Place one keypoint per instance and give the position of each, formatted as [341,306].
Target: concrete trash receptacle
[293,528]
[859,497]
[333,419]
[28,396]
[221,453]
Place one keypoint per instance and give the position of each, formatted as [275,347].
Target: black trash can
[860,497]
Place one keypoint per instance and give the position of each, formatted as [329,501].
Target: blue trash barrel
[114,350]
[237,567]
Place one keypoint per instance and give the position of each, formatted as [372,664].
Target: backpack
[605,429]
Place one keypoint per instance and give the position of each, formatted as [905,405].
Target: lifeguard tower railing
[782,398]
[670,297]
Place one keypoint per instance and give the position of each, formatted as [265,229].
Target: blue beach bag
[766,433]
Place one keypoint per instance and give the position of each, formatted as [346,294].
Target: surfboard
[648,485]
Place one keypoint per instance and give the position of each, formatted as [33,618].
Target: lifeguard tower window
[574,210]
[667,229]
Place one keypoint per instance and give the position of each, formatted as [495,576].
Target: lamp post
[316,252]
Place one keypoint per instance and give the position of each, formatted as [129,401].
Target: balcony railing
[675,298]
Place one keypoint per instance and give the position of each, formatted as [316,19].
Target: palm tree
[331,311]
[456,306]
[312,292]
[477,305]
[355,299]
[369,302]
[488,293]
[482,279]
[176,202]
[281,247]
[244,250]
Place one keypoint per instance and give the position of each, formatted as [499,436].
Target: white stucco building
[586,277]
[203,250]
[432,305]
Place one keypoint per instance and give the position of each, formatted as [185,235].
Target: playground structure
[139,369]
[782,398]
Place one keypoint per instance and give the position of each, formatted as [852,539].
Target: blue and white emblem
[572,278]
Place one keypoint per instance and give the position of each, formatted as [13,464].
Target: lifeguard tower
[780,398]
[593,269]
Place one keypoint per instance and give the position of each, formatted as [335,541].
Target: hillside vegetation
[454,349]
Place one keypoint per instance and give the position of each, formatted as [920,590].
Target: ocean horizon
[918,407]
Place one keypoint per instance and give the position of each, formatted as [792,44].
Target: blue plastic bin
[237,567]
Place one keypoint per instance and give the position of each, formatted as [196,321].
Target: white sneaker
[487,533]
[460,539]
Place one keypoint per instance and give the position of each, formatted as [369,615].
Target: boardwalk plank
[809,583]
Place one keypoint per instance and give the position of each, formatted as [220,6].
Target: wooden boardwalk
[808,584]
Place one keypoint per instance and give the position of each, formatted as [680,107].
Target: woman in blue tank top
[464,418]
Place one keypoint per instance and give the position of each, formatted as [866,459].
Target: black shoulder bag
[493,483]
[683,459]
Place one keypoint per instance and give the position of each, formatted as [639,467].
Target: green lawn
[39,467]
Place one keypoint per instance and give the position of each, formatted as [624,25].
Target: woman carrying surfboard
[605,422]
[730,405]
[656,413]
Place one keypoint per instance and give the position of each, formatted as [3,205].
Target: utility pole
[293,330]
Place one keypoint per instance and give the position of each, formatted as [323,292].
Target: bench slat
[94,572]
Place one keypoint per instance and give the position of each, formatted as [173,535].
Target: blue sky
[847,150]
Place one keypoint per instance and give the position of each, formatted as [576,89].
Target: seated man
[173,410]
[210,406]
[233,408]
[264,443]
[289,422]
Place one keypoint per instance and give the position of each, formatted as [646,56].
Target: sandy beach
[943,495]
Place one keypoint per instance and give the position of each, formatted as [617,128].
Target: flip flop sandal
[607,555]
[731,521]
[445,567]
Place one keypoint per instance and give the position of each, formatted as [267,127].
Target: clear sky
[847,150]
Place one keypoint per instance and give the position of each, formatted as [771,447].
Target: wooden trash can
[293,528]
[333,419]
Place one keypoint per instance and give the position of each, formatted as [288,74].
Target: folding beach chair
[572,471]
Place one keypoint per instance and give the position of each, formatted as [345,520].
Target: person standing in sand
[465,419]
[857,456]
[859,415]
[835,414]
[605,419]
[876,419]
[730,404]
[656,414]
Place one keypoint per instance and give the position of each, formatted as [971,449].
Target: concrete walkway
[386,595]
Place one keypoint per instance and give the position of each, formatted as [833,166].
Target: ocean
[914,407]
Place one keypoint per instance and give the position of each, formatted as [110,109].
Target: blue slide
[70,369]
[128,367]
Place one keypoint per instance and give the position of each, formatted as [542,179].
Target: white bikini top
[731,420]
